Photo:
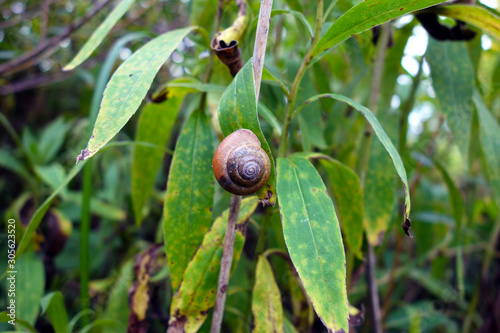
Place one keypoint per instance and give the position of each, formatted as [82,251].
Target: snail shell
[240,165]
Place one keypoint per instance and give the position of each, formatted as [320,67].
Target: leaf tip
[406,225]
[267,201]
[68,67]
[83,155]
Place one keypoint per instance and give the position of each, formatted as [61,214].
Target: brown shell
[240,165]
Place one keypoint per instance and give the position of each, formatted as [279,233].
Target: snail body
[240,165]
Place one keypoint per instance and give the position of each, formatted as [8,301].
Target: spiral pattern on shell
[240,165]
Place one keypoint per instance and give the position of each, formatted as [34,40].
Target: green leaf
[99,34]
[266,301]
[9,162]
[269,116]
[182,86]
[490,143]
[202,13]
[40,212]
[349,198]
[311,120]
[381,134]
[4,317]
[110,325]
[457,207]
[379,189]
[118,295]
[53,305]
[238,109]
[52,175]
[298,15]
[289,328]
[128,86]
[190,192]
[312,235]
[196,294]
[475,15]
[30,284]
[267,75]
[366,15]
[155,125]
[452,79]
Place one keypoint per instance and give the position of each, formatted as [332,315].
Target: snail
[240,165]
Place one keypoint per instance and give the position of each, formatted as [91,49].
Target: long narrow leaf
[475,15]
[238,109]
[381,134]
[196,294]
[128,86]
[190,191]
[349,198]
[53,305]
[154,126]
[266,301]
[453,81]
[98,36]
[490,144]
[313,238]
[366,15]
[40,213]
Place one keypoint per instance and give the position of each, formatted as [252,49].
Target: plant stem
[225,264]
[259,51]
[403,129]
[377,76]
[403,124]
[363,166]
[298,78]
[32,57]
[84,241]
[234,206]
[373,290]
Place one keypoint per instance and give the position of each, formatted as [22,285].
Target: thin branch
[234,206]
[45,20]
[32,57]
[259,51]
[23,17]
[363,166]
[47,78]
[225,264]
[373,290]
[298,78]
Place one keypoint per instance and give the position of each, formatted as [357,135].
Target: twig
[373,290]
[234,206]
[403,129]
[225,264]
[298,78]
[23,17]
[41,80]
[132,18]
[259,51]
[363,166]
[32,57]
[45,20]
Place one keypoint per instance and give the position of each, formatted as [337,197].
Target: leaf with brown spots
[238,109]
[313,238]
[99,34]
[128,86]
[366,15]
[190,192]
[266,301]
[196,294]
[145,265]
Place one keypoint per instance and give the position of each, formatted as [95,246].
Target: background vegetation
[97,228]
